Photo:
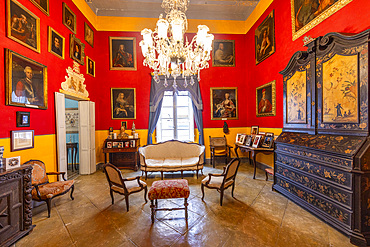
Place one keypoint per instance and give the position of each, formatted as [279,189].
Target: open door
[87,137]
[61,132]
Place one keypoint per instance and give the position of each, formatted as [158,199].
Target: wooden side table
[74,149]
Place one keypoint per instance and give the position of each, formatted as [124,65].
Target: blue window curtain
[159,86]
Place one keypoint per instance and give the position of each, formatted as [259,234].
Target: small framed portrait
[90,66]
[23,119]
[109,144]
[77,50]
[110,129]
[265,38]
[23,25]
[43,5]
[13,162]
[56,43]
[89,35]
[223,53]
[224,103]
[248,141]
[268,141]
[115,144]
[26,82]
[122,53]
[127,144]
[132,143]
[124,124]
[120,145]
[239,138]
[254,130]
[123,103]
[21,139]
[256,141]
[266,100]
[69,18]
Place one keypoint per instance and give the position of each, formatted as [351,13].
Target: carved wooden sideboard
[15,204]
[322,158]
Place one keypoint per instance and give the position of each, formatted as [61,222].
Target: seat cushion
[163,189]
[216,182]
[220,152]
[154,162]
[131,186]
[51,190]
[171,163]
[186,162]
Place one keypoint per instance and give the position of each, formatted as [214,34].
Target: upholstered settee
[171,156]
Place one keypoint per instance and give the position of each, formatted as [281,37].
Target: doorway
[72,137]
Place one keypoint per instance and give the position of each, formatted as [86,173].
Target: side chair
[43,190]
[221,182]
[219,148]
[123,186]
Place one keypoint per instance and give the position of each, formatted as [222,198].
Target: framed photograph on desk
[256,141]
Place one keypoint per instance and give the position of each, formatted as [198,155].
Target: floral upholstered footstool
[165,189]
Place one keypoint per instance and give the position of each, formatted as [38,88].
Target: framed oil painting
[223,53]
[72,120]
[254,130]
[43,5]
[307,14]
[69,18]
[122,51]
[224,103]
[90,66]
[26,82]
[23,25]
[265,100]
[21,139]
[23,119]
[56,43]
[123,103]
[124,124]
[77,50]
[265,38]
[89,35]
[340,90]
[296,97]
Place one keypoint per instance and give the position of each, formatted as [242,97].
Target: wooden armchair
[221,182]
[45,191]
[219,148]
[123,186]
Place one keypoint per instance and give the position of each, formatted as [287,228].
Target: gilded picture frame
[266,99]
[77,50]
[90,66]
[122,53]
[43,5]
[28,35]
[69,18]
[123,103]
[304,19]
[265,38]
[224,103]
[56,43]
[20,70]
[89,35]
[223,53]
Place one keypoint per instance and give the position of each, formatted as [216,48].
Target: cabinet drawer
[341,196]
[331,174]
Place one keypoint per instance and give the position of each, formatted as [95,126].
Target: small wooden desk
[123,157]
[74,151]
[254,152]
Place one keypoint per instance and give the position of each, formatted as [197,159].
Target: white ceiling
[198,9]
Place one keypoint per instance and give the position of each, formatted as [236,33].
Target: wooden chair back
[38,172]
[232,169]
[114,176]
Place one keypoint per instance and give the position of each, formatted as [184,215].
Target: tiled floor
[257,217]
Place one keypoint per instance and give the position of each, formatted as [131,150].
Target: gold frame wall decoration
[317,20]
[128,103]
[228,49]
[65,7]
[217,95]
[88,72]
[38,5]
[130,48]
[50,42]
[77,42]
[268,26]
[270,91]
[27,14]
[92,34]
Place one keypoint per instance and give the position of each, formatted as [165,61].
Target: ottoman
[165,189]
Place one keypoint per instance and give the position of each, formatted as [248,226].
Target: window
[176,121]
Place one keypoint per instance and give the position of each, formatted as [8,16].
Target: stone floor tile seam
[65,227]
[255,199]
[281,225]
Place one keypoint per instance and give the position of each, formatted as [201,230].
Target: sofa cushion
[154,162]
[193,161]
[171,163]
[171,149]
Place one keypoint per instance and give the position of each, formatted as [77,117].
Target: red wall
[141,79]
[42,121]
[353,18]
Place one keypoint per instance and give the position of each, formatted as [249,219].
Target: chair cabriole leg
[48,203]
[127,205]
[145,192]
[222,196]
[202,187]
[152,207]
[72,189]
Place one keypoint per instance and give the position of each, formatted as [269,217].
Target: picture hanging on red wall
[90,66]
[23,26]
[265,38]
[123,103]
[307,14]
[223,53]
[26,82]
[43,5]
[69,18]
[77,50]
[265,100]
[56,43]
[89,35]
[122,53]
[224,103]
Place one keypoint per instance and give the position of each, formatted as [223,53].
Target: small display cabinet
[123,153]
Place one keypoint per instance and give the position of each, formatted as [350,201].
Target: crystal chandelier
[166,51]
